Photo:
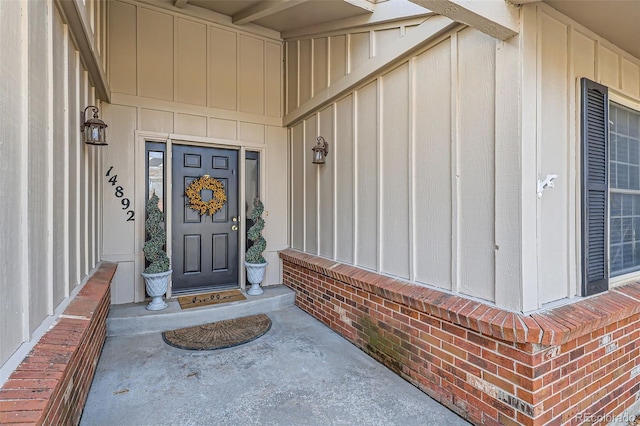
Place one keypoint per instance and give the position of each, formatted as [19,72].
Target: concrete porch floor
[299,373]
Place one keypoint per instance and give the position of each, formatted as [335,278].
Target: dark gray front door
[205,248]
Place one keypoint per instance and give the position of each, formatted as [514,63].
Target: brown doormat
[220,334]
[196,300]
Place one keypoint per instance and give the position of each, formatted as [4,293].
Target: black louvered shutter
[595,187]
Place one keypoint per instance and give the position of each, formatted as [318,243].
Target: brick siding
[50,386]
[574,364]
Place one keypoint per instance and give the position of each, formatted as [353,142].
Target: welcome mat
[219,334]
[196,300]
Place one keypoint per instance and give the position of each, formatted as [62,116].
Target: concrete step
[133,318]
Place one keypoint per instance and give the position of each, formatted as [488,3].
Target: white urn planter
[157,285]
[255,275]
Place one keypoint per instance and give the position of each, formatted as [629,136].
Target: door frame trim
[141,137]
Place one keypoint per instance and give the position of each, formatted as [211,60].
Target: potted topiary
[156,275]
[253,260]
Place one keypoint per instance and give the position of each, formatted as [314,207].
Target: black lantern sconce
[93,129]
[320,151]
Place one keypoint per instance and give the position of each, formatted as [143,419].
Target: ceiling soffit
[283,15]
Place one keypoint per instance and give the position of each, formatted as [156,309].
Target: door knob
[234,228]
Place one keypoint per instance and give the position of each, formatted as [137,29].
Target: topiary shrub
[156,239]
[254,253]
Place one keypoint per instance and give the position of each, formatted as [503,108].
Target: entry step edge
[133,318]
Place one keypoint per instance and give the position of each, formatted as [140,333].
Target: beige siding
[342,151]
[305,76]
[251,132]
[167,64]
[432,192]
[83,84]
[191,62]
[155,46]
[292,76]
[359,49]
[251,70]
[223,129]
[119,240]
[223,75]
[273,79]
[395,172]
[60,162]
[14,283]
[366,181]
[218,85]
[554,155]
[276,226]
[385,39]
[188,124]
[320,64]
[122,29]
[475,144]
[45,243]
[326,188]
[608,62]
[156,120]
[297,186]
[75,148]
[630,77]
[567,52]
[413,158]
[39,150]
[313,64]
[311,190]
[337,57]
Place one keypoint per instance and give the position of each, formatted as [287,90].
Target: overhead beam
[263,9]
[497,18]
[420,36]
[387,11]
[362,4]
[180,3]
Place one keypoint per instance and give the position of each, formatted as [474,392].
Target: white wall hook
[546,183]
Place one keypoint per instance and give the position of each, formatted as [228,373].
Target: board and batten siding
[49,240]
[561,52]
[175,76]
[317,62]
[408,187]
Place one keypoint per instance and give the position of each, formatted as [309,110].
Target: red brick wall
[50,386]
[570,365]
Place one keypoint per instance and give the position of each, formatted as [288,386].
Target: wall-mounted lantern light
[93,130]
[320,151]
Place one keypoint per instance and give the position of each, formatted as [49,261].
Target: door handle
[234,227]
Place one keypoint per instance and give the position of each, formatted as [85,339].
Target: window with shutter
[611,189]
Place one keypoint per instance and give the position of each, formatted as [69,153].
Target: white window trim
[629,102]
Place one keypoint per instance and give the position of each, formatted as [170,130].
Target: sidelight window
[155,171]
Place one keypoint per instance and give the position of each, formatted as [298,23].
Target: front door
[205,248]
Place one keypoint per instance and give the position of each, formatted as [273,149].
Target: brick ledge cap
[551,327]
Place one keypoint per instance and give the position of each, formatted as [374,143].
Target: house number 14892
[119,193]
